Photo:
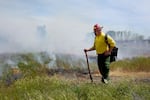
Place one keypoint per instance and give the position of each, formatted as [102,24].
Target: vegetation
[54,88]
[135,64]
[36,83]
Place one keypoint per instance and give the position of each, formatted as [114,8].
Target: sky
[62,25]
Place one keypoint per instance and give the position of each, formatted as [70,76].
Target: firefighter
[103,51]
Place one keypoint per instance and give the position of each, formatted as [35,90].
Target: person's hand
[85,50]
[107,53]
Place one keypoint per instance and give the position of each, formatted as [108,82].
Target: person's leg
[100,61]
[105,68]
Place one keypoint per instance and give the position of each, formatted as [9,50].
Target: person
[103,51]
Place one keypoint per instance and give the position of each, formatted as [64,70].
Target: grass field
[55,88]
[39,83]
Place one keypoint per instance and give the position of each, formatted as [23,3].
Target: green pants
[103,65]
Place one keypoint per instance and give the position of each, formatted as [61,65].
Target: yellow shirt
[100,45]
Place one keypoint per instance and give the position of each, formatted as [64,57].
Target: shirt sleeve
[111,41]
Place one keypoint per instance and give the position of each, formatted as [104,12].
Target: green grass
[36,84]
[134,64]
[54,88]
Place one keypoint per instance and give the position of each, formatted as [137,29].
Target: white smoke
[27,35]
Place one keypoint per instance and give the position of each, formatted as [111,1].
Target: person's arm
[110,49]
[90,49]
[112,44]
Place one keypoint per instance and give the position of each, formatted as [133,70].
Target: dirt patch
[115,76]
[131,74]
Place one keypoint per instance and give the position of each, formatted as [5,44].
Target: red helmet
[96,26]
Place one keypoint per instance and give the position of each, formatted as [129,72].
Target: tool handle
[88,67]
